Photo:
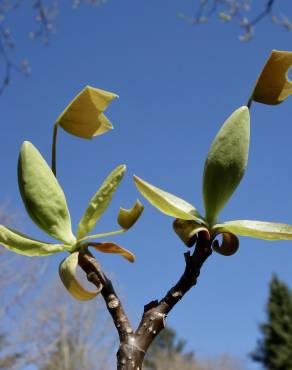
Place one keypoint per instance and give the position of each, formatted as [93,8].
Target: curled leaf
[84,117]
[226,162]
[128,217]
[257,229]
[113,248]
[188,230]
[67,272]
[22,244]
[273,85]
[228,246]
[166,202]
[42,195]
[100,201]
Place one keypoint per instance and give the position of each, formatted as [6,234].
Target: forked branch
[134,344]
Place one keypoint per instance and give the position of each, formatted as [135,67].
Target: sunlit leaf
[84,117]
[67,272]
[257,229]
[128,217]
[228,246]
[22,244]
[166,202]
[42,195]
[187,230]
[226,162]
[113,248]
[100,201]
[273,85]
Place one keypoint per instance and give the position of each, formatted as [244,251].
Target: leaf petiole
[54,148]
[111,233]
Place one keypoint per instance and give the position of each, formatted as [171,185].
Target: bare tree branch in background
[241,11]
[58,332]
[176,361]
[16,278]
[45,13]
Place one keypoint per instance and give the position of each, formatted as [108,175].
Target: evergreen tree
[7,359]
[274,350]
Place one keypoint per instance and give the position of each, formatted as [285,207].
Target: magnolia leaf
[226,162]
[100,201]
[42,195]
[166,202]
[228,246]
[128,217]
[188,230]
[67,272]
[257,229]
[273,85]
[113,248]
[22,244]
[84,117]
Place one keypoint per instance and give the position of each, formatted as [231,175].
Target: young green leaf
[188,230]
[22,244]
[67,272]
[257,229]
[273,85]
[226,162]
[42,195]
[128,217]
[113,248]
[166,202]
[84,117]
[100,201]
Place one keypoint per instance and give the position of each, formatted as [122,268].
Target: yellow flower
[84,116]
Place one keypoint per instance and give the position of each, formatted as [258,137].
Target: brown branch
[134,345]
[153,320]
[97,277]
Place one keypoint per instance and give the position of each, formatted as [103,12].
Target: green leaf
[100,201]
[166,202]
[110,247]
[22,244]
[42,195]
[228,246]
[273,85]
[257,229]
[226,162]
[84,117]
[67,272]
[128,217]
[188,230]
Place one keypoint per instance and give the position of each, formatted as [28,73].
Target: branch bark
[134,344]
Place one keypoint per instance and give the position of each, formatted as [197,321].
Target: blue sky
[177,84]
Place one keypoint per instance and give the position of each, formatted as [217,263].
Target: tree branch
[133,345]
[97,277]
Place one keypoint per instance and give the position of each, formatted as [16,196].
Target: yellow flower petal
[84,117]
[273,85]
[67,272]
[188,230]
[113,248]
[128,217]
[229,244]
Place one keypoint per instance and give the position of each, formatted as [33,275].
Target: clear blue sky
[177,84]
